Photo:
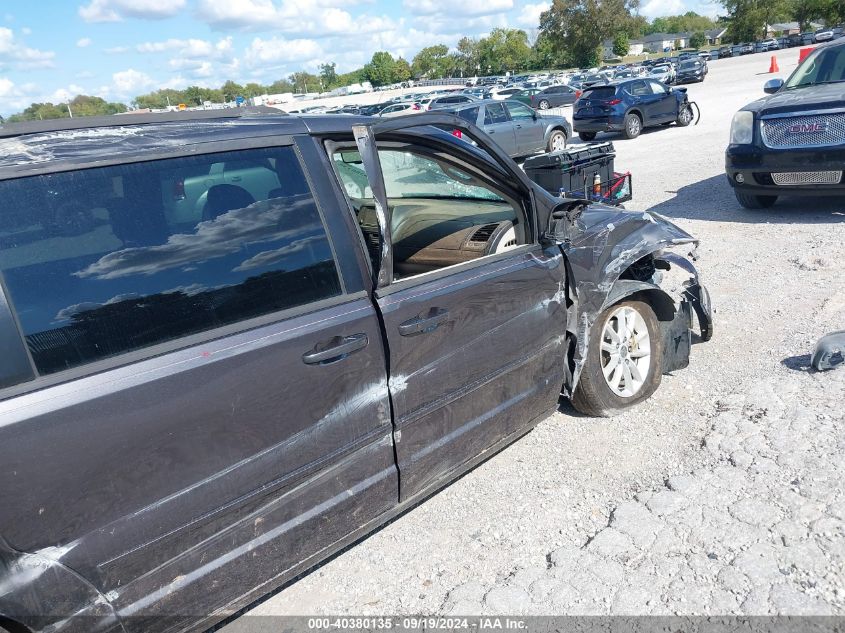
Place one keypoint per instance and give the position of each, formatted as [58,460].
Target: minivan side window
[100,262]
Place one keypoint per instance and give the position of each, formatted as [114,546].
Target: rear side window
[469,114]
[495,113]
[599,94]
[104,261]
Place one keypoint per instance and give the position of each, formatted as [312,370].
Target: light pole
[69,110]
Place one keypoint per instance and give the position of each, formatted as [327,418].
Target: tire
[557,141]
[543,105]
[752,201]
[594,395]
[633,126]
[684,115]
[587,136]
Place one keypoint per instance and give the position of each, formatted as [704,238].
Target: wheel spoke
[634,371]
[608,347]
[616,378]
[629,379]
[642,352]
[611,365]
[612,333]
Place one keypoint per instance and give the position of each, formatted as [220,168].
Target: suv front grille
[807,178]
[809,130]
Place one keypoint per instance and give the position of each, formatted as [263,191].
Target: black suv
[201,401]
[792,142]
[629,106]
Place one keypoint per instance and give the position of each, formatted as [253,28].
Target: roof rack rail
[9,130]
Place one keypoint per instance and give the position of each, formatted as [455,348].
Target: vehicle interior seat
[224,198]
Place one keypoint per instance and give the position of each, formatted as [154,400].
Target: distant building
[788,28]
[635,47]
[659,42]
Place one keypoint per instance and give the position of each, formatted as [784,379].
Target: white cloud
[117,10]
[62,95]
[658,8]
[316,18]
[275,51]
[14,53]
[115,50]
[190,48]
[131,82]
[7,87]
[529,16]
[451,8]
[83,42]
[26,30]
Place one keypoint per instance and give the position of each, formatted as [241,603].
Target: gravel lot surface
[722,494]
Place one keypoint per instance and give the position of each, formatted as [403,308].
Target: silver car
[515,127]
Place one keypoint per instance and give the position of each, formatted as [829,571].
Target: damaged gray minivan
[234,343]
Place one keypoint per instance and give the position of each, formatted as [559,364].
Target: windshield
[658,70]
[824,66]
[690,65]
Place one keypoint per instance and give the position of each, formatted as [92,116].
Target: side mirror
[772,86]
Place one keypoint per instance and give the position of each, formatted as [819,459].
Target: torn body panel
[616,254]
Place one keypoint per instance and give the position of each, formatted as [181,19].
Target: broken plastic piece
[830,351]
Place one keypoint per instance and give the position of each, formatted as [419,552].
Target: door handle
[235,178]
[490,131]
[424,323]
[335,349]
[518,127]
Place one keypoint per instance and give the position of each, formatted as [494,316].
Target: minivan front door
[476,347]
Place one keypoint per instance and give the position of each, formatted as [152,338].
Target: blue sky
[52,50]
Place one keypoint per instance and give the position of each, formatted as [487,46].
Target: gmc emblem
[807,128]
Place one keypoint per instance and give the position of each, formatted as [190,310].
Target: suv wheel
[751,201]
[543,105]
[587,136]
[633,126]
[557,141]
[684,115]
[624,360]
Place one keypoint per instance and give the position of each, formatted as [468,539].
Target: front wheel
[543,105]
[633,126]
[751,201]
[557,141]
[684,115]
[587,136]
[624,360]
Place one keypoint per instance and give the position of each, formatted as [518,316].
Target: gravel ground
[722,494]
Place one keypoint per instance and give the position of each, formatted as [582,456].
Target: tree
[431,62]
[402,70]
[328,73]
[381,70]
[467,56]
[304,82]
[621,45]
[578,27]
[686,23]
[697,40]
[748,19]
[504,50]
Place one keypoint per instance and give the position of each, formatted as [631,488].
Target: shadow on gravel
[797,363]
[713,199]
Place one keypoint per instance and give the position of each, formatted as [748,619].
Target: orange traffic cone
[773,68]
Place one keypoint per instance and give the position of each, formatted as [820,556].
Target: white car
[663,73]
[824,35]
[399,109]
[500,94]
[770,44]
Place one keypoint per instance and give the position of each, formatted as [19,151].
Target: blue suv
[628,107]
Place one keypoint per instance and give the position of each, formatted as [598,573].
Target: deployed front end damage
[616,255]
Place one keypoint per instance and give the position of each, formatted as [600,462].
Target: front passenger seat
[224,198]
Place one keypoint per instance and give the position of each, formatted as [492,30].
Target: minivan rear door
[208,409]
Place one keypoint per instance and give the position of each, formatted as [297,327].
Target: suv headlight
[742,128]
